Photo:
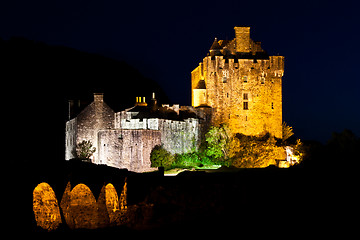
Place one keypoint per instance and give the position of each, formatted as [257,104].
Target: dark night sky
[166,40]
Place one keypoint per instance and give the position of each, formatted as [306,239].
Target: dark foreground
[268,199]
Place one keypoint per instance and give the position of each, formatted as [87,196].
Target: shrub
[84,150]
[160,157]
[187,160]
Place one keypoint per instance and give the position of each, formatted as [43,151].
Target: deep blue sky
[166,40]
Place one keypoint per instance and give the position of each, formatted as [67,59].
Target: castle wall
[179,136]
[70,138]
[247,95]
[128,148]
[199,97]
[123,120]
[176,136]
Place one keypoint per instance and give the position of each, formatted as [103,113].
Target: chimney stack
[98,97]
[139,102]
[154,106]
[242,42]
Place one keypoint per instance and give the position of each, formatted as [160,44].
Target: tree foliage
[287,131]
[160,157]
[187,160]
[218,141]
[84,150]
[254,152]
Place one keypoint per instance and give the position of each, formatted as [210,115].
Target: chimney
[98,97]
[139,102]
[242,39]
[154,106]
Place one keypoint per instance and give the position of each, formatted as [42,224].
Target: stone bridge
[78,207]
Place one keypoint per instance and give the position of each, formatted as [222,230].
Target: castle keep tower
[242,84]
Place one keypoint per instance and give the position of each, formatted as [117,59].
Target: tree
[160,157]
[218,142]
[287,131]
[254,152]
[84,150]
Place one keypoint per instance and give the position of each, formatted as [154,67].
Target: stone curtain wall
[176,136]
[128,148]
[180,136]
[70,138]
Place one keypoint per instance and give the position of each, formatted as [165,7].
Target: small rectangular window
[246,105]
[245,78]
[262,80]
[246,96]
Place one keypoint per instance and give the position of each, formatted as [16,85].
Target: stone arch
[112,202]
[65,204]
[82,208]
[46,207]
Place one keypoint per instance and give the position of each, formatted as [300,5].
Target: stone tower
[242,84]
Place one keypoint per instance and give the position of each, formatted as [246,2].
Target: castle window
[225,75]
[272,105]
[245,78]
[246,96]
[246,106]
[262,80]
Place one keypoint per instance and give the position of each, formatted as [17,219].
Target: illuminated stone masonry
[242,84]
[125,139]
[237,84]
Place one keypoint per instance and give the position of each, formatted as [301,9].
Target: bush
[253,152]
[187,160]
[84,150]
[160,157]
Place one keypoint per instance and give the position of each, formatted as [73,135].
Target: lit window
[246,105]
[225,75]
[246,96]
[262,80]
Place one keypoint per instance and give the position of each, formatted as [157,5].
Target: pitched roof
[201,85]
[215,45]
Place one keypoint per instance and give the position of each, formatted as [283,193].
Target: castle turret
[215,48]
